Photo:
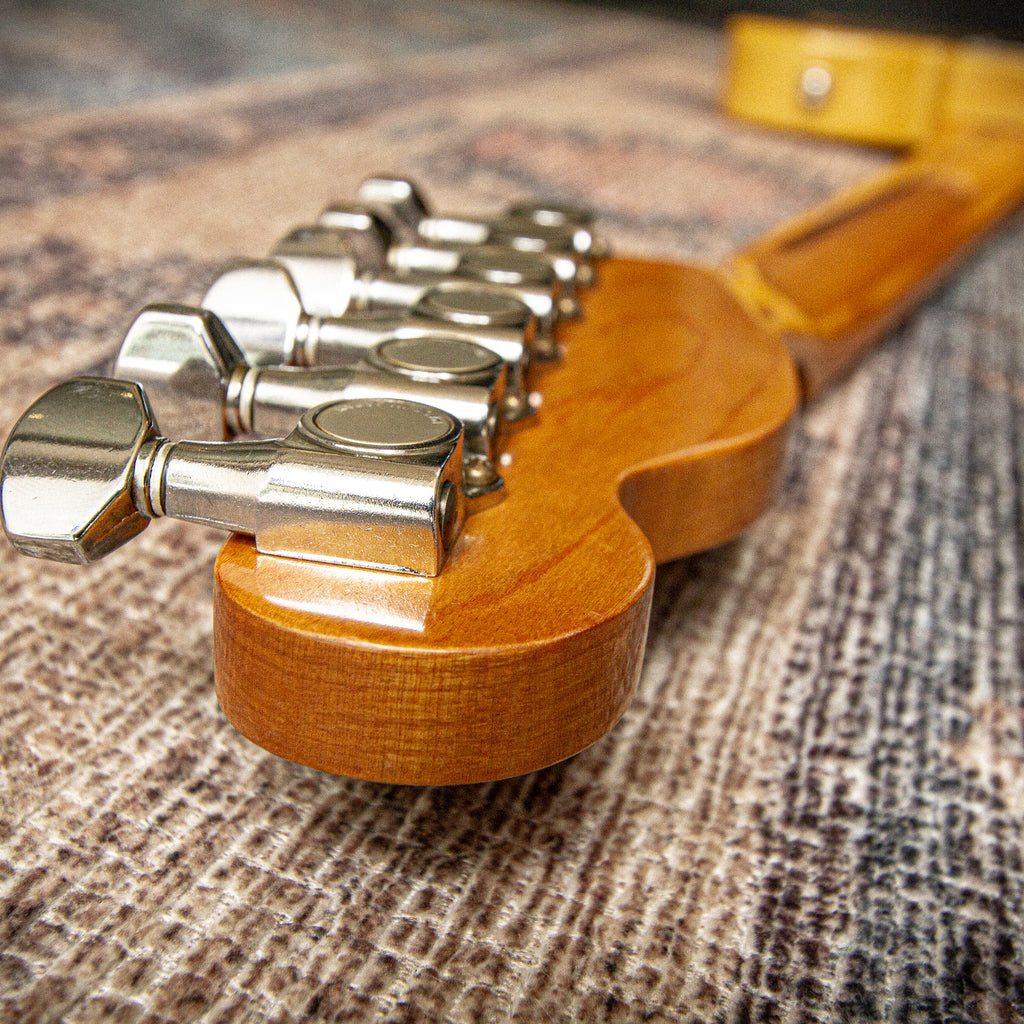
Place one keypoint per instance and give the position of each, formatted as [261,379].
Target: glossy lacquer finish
[661,433]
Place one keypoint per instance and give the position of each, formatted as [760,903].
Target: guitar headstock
[659,433]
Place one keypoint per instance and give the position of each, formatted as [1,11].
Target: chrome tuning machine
[374,483]
[199,385]
[261,306]
[541,228]
[351,257]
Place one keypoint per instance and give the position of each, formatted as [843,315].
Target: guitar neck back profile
[834,281]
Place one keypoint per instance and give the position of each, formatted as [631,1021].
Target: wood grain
[661,433]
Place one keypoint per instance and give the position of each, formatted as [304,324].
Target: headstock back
[659,434]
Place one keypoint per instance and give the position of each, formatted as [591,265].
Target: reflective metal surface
[551,214]
[406,251]
[495,264]
[359,427]
[379,457]
[66,471]
[282,395]
[390,497]
[365,234]
[565,217]
[327,286]
[552,227]
[373,482]
[187,363]
[398,196]
[529,236]
[260,306]
[331,280]
[199,386]
[457,302]
[436,357]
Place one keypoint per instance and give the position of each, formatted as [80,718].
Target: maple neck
[836,279]
[661,433]
[658,435]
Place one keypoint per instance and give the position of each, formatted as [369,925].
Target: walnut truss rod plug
[199,386]
[261,306]
[374,483]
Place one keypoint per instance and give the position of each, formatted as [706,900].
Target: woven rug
[813,809]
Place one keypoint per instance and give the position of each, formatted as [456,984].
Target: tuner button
[368,234]
[323,264]
[399,197]
[185,359]
[260,305]
[66,474]
[314,240]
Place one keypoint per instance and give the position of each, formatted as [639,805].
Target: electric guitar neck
[660,433]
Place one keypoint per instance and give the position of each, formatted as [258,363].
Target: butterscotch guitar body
[660,433]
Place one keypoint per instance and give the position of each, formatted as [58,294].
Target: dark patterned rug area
[814,808]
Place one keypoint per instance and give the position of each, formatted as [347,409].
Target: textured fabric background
[812,811]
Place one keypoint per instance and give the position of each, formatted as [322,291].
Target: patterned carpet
[812,811]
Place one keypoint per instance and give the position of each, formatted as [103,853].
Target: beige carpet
[812,811]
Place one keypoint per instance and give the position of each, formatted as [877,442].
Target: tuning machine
[374,482]
[199,385]
[408,253]
[260,304]
[353,243]
[560,230]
